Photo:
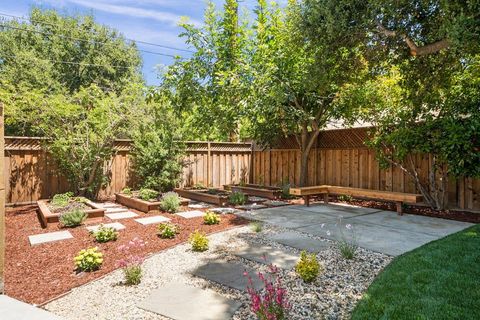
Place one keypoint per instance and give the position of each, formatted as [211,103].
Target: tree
[297,75]
[53,54]
[209,87]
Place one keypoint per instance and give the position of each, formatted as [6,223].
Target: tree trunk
[303,168]
[306,142]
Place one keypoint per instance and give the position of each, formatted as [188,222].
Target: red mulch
[464,216]
[40,273]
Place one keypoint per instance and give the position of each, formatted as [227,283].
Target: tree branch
[414,49]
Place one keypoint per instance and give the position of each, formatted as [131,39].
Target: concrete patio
[376,230]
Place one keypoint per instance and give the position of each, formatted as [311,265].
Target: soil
[40,273]
[464,216]
[72,205]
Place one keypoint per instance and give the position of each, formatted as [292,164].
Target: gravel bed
[332,296]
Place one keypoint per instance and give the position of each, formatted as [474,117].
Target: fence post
[2,202]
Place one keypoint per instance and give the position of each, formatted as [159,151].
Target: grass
[440,280]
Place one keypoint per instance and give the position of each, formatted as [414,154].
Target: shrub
[237,198]
[132,263]
[147,194]
[345,198]
[308,267]
[347,244]
[199,241]
[271,303]
[256,226]
[73,218]
[285,186]
[170,202]
[61,199]
[199,186]
[211,218]
[127,191]
[347,249]
[89,259]
[167,230]
[105,234]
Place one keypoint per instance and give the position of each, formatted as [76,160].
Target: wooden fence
[30,174]
[340,158]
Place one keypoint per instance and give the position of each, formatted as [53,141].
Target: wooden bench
[398,197]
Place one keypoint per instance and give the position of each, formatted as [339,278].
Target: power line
[78,39]
[133,40]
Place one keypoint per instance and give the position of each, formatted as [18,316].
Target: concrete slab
[12,309]
[121,215]
[49,237]
[115,225]
[152,220]
[224,210]
[116,210]
[252,206]
[191,214]
[377,238]
[295,240]
[181,302]
[111,205]
[428,225]
[256,199]
[266,255]
[229,274]
[336,210]
[199,205]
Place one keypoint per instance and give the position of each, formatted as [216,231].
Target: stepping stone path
[295,240]
[191,214]
[115,210]
[115,225]
[121,215]
[180,302]
[268,255]
[229,274]
[224,210]
[253,206]
[110,205]
[275,203]
[199,205]
[256,199]
[152,220]
[12,309]
[49,237]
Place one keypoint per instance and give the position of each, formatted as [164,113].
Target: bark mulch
[40,273]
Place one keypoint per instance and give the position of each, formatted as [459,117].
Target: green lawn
[440,280]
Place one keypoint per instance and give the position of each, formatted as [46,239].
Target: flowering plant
[347,243]
[272,303]
[132,263]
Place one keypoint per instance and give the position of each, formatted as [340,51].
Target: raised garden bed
[256,190]
[140,204]
[215,196]
[48,215]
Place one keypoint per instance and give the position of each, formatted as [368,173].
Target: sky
[152,21]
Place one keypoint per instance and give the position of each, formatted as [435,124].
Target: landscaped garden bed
[215,196]
[256,190]
[132,200]
[35,274]
[50,212]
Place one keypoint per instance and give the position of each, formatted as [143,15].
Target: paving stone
[199,205]
[180,302]
[295,240]
[275,203]
[253,206]
[110,205]
[49,237]
[229,274]
[266,255]
[224,210]
[151,220]
[12,309]
[256,199]
[116,210]
[191,214]
[121,215]
[114,225]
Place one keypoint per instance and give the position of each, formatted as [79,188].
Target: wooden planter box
[256,190]
[141,205]
[49,217]
[202,195]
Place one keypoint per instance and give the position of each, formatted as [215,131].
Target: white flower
[322,225]
[348,226]
[328,233]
